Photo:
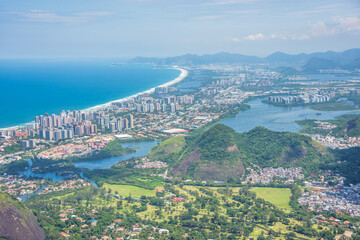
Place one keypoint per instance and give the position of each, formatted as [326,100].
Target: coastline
[183,75]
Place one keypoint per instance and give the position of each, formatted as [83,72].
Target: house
[163,231]
[64,234]
[178,199]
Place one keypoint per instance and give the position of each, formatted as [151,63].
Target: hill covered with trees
[221,153]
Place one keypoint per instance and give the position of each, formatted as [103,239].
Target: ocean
[33,87]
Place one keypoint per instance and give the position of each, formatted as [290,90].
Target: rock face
[17,222]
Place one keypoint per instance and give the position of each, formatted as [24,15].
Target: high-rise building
[172,107]
[57,135]
[25,144]
[131,121]
[151,107]
[125,123]
[112,127]
[32,143]
[64,134]
[49,134]
[70,133]
[78,131]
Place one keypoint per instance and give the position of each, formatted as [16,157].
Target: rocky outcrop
[17,222]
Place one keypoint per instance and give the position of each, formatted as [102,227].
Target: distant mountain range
[349,59]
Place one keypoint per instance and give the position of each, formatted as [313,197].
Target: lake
[278,118]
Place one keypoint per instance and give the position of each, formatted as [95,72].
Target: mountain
[348,59]
[268,148]
[211,156]
[350,128]
[17,222]
[220,153]
[316,63]
[280,57]
[354,64]
[192,59]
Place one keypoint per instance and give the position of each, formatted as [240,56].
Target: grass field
[280,197]
[126,190]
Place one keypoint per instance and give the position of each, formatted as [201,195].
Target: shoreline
[183,74]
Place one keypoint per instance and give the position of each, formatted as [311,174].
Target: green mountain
[169,150]
[220,153]
[267,148]
[17,222]
[213,155]
[347,126]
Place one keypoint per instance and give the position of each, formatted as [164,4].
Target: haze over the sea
[34,87]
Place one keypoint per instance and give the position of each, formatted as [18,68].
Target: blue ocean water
[33,87]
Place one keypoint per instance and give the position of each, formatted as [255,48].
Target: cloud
[282,36]
[49,17]
[335,27]
[349,24]
[258,36]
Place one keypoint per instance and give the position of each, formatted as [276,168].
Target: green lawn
[280,197]
[126,190]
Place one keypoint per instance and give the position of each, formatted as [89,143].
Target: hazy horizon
[158,28]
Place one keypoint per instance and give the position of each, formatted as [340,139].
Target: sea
[31,87]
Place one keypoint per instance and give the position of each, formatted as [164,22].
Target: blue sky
[128,28]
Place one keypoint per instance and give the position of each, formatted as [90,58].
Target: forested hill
[267,148]
[221,153]
[351,128]
[212,155]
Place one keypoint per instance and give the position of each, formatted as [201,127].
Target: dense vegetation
[267,148]
[14,167]
[168,151]
[347,126]
[349,165]
[220,147]
[124,174]
[210,154]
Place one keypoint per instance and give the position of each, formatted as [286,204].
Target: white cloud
[253,37]
[337,26]
[348,24]
[282,36]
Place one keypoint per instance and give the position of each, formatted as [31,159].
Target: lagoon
[278,118]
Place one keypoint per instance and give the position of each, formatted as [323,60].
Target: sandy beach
[182,75]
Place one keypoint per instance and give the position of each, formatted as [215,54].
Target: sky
[161,28]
